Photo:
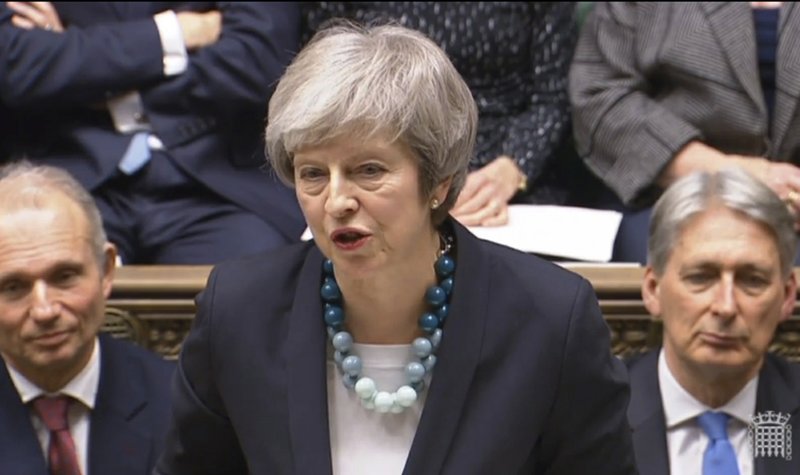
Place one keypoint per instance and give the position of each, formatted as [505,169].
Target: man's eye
[12,288]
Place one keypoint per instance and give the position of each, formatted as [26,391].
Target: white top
[83,387]
[686,440]
[364,441]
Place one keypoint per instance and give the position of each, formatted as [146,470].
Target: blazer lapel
[457,358]
[307,386]
[787,80]
[732,25]
[776,394]
[20,451]
[646,417]
[115,446]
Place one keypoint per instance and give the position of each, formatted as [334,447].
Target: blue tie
[719,459]
[137,154]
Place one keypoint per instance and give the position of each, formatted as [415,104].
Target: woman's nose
[341,200]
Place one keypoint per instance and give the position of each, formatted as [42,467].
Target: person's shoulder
[123,355]
[642,362]
[529,268]
[787,370]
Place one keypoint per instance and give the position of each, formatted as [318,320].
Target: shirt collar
[82,387]
[680,406]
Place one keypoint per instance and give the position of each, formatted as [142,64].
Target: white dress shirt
[686,440]
[83,388]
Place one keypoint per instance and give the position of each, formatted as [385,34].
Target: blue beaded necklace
[437,296]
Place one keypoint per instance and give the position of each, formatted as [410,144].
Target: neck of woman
[385,307]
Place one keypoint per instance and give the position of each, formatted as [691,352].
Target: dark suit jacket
[524,383]
[211,117]
[778,391]
[127,425]
[648,77]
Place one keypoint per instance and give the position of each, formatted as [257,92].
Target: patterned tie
[719,458]
[63,459]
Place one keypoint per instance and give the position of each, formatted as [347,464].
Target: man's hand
[30,15]
[200,29]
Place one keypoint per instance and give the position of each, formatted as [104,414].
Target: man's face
[52,289]
[721,295]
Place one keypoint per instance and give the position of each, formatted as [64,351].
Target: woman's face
[362,202]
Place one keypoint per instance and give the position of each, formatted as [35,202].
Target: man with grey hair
[71,401]
[712,400]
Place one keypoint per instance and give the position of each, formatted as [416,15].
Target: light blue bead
[405,396]
[342,341]
[435,296]
[338,357]
[415,371]
[331,331]
[334,315]
[447,285]
[365,388]
[327,267]
[445,265]
[436,338]
[422,347]
[418,386]
[429,363]
[352,365]
[349,381]
[330,290]
[383,401]
[442,312]
[428,321]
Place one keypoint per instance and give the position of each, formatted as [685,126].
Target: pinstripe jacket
[649,77]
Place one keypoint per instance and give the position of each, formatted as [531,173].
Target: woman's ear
[441,190]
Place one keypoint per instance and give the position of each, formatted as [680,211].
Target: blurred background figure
[514,58]
[157,109]
[662,89]
[72,400]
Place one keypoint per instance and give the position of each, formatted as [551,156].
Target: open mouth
[349,239]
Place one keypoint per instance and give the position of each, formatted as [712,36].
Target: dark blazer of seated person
[510,318]
[127,424]
[652,83]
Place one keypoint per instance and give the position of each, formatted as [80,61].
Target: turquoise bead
[428,321]
[436,338]
[445,265]
[442,312]
[435,296]
[334,315]
[327,267]
[330,290]
[429,362]
[447,285]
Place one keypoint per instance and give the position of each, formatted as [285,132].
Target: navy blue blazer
[525,381]
[127,425]
[211,117]
[778,391]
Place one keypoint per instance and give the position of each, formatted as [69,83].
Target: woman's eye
[310,174]
[371,170]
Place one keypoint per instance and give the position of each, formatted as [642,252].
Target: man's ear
[651,292]
[790,296]
[108,266]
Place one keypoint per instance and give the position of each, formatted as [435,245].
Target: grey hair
[385,80]
[32,186]
[732,188]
